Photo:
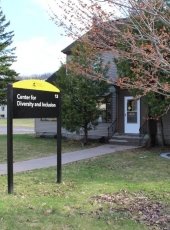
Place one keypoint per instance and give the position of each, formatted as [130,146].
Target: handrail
[112,129]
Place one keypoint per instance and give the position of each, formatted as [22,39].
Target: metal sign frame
[31,86]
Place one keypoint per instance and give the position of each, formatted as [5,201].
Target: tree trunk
[85,135]
[160,133]
[152,132]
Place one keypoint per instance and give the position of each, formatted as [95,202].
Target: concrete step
[133,140]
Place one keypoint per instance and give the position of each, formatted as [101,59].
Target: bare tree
[138,31]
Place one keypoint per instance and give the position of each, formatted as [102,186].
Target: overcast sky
[38,40]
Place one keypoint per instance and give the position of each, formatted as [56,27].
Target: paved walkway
[46,162]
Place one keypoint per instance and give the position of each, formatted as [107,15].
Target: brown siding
[114,104]
[108,61]
[143,111]
[166,127]
[121,112]
[45,127]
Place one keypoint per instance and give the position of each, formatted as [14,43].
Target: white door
[132,115]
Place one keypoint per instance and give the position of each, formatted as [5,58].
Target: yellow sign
[35,85]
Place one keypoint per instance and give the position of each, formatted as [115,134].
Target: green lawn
[27,146]
[122,191]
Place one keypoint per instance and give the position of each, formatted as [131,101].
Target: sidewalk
[46,162]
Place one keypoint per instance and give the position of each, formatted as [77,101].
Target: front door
[132,115]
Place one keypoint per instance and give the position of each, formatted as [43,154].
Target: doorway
[132,115]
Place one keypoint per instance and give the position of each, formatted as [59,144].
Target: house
[3,111]
[123,119]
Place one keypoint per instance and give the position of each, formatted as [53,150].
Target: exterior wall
[100,130]
[121,112]
[49,128]
[68,58]
[165,121]
[166,127]
[3,111]
[143,118]
[144,111]
[114,105]
[108,60]
[45,127]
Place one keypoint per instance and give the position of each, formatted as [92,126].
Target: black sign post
[10,138]
[59,163]
[32,99]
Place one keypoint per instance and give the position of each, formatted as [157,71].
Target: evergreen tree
[80,98]
[80,91]
[6,57]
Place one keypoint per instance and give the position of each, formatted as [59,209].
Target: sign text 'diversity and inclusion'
[34,103]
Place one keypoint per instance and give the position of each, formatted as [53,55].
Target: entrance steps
[127,139]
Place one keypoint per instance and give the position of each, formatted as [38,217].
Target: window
[105,107]
[48,119]
[3,108]
[131,111]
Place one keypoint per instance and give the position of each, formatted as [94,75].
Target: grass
[29,123]
[41,204]
[27,146]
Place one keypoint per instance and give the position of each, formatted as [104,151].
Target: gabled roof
[68,49]
[102,25]
[52,78]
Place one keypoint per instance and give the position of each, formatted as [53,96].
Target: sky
[37,39]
